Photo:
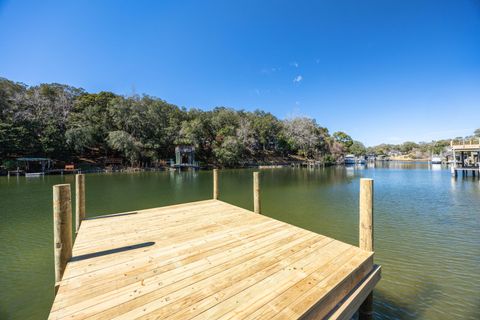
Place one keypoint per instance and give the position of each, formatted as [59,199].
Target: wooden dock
[209,260]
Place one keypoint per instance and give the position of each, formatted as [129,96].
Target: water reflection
[402,165]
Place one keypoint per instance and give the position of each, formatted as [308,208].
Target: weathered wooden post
[366,236]
[215,184]
[62,229]
[454,167]
[256,193]
[79,200]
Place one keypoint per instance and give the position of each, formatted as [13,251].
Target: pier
[466,157]
[207,260]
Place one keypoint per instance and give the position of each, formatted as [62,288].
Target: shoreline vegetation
[71,126]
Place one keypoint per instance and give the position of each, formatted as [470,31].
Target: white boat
[361,160]
[34,174]
[436,160]
[350,159]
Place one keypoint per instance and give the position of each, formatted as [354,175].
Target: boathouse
[185,157]
[33,166]
[465,157]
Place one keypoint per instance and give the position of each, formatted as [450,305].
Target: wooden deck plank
[261,291]
[204,260]
[193,236]
[95,226]
[139,294]
[133,228]
[330,286]
[169,230]
[140,222]
[282,260]
[170,299]
[311,305]
[145,224]
[314,281]
[136,271]
[139,265]
[170,276]
[100,220]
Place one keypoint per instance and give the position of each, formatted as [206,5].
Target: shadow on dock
[112,215]
[111,251]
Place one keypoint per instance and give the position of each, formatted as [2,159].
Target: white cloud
[297,79]
[294,64]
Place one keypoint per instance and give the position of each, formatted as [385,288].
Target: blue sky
[383,71]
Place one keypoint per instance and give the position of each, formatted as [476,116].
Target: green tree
[229,151]
[64,122]
[127,145]
[344,139]
[408,146]
[198,130]
[79,138]
[266,128]
[91,116]
[357,148]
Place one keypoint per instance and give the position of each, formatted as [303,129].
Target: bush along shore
[69,125]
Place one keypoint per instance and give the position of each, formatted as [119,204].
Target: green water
[427,228]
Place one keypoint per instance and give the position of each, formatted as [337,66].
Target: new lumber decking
[209,260]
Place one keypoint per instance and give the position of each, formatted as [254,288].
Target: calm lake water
[427,228]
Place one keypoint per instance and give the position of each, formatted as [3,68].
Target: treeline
[67,123]
[420,149]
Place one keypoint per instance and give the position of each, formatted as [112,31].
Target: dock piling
[62,229]
[366,214]
[79,200]
[256,193]
[366,236]
[215,184]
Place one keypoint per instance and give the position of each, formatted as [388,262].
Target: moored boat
[436,160]
[361,160]
[349,159]
[34,174]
